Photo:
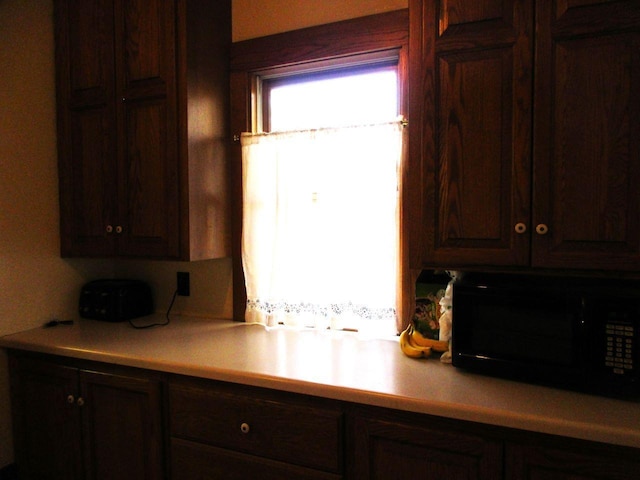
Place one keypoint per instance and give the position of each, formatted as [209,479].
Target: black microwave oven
[574,333]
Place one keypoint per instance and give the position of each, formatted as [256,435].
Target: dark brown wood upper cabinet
[528,135]
[587,135]
[142,99]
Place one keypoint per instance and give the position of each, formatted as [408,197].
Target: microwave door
[518,335]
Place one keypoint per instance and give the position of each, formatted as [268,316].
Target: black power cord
[55,323]
[168,320]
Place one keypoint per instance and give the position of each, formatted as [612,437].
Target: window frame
[365,39]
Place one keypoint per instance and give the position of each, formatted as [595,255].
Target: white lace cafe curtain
[320,227]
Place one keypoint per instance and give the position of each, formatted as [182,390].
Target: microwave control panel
[620,350]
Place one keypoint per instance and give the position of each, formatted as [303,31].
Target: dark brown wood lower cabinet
[403,448]
[71,423]
[195,461]
[575,461]
[46,420]
[122,426]
[228,431]
[76,419]
[396,445]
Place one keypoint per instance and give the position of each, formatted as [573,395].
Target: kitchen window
[322,225]
[320,199]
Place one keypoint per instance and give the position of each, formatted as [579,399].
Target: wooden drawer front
[191,461]
[305,435]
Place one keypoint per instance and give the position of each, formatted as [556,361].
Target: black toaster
[115,300]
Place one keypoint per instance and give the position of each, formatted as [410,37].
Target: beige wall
[253,18]
[35,283]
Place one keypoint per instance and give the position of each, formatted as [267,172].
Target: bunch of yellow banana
[415,345]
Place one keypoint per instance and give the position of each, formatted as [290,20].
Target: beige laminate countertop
[340,366]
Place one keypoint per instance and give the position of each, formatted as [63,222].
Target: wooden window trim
[323,45]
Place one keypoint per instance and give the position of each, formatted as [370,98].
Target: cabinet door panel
[549,463]
[475,73]
[89,29]
[86,132]
[145,46]
[93,195]
[473,163]
[385,449]
[148,155]
[149,185]
[122,427]
[462,12]
[46,420]
[588,140]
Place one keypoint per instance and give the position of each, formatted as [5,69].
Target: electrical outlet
[183,284]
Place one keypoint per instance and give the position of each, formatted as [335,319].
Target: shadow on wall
[9,473]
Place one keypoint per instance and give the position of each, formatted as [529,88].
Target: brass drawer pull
[244,428]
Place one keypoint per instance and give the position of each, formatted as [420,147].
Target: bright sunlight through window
[320,199]
[359,98]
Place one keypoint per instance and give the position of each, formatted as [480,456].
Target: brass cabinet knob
[109,228]
[244,428]
[542,229]
[520,228]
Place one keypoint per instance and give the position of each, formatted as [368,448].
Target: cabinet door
[539,462]
[145,52]
[46,420]
[122,427]
[86,126]
[587,134]
[472,66]
[389,449]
